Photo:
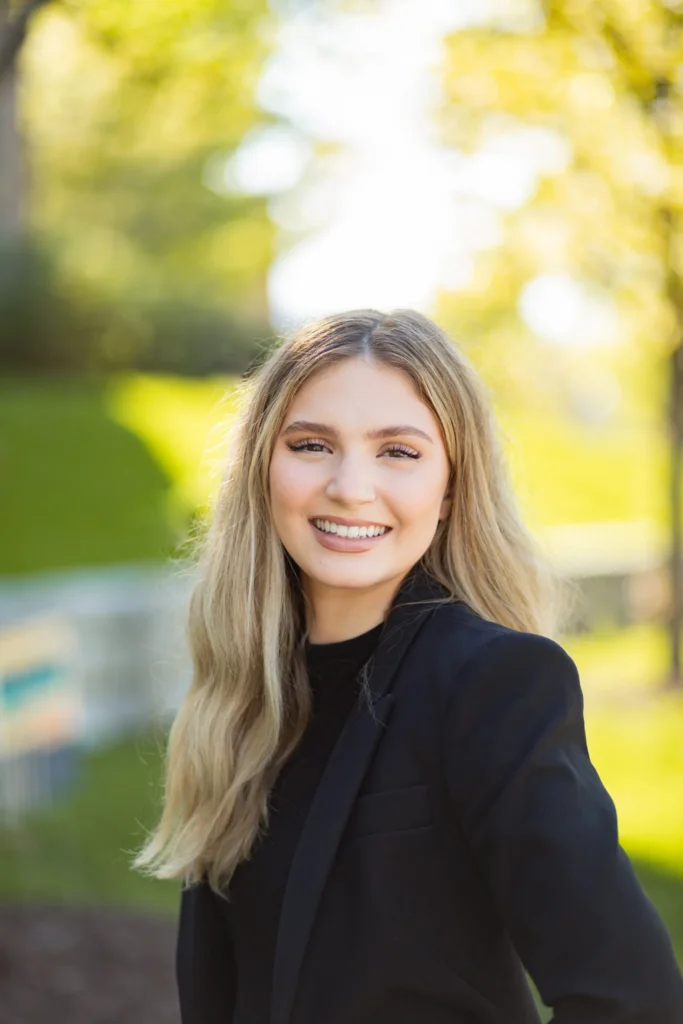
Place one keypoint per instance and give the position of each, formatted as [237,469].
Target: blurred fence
[128,627]
[40,712]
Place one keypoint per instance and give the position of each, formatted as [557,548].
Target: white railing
[130,653]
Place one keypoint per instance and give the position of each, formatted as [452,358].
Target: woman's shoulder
[468,652]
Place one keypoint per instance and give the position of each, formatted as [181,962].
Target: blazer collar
[339,785]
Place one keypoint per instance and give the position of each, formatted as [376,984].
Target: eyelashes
[310,443]
[409,452]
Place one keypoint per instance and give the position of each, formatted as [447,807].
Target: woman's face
[358,451]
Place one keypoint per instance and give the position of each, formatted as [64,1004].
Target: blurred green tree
[601,82]
[124,108]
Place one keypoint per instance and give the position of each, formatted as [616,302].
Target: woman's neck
[337,613]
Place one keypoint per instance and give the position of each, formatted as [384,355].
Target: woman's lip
[334,542]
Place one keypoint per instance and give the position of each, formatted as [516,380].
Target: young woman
[379,794]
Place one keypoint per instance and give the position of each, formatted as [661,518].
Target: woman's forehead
[356,378]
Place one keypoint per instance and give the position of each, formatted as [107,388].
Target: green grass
[566,472]
[79,851]
[621,659]
[78,487]
[101,473]
[182,423]
[638,751]
[635,737]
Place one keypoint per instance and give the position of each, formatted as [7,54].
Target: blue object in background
[40,715]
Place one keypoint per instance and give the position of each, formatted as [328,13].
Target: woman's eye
[306,446]
[403,450]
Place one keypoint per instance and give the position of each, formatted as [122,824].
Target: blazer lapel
[338,788]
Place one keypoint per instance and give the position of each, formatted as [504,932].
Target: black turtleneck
[258,885]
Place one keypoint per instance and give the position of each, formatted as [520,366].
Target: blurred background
[179,182]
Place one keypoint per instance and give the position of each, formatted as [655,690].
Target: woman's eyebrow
[372,435]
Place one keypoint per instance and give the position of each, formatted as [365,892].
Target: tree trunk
[674,293]
[676,441]
[13,32]
[11,163]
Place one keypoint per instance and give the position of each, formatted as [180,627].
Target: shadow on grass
[85,490]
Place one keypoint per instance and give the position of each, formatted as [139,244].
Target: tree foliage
[124,107]
[604,77]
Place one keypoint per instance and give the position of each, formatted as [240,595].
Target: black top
[257,888]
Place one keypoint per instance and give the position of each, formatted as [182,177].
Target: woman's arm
[544,830]
[205,967]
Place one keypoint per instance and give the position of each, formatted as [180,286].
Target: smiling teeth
[349,531]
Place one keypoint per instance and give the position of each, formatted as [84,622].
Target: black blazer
[459,835]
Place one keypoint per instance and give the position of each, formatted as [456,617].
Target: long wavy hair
[249,701]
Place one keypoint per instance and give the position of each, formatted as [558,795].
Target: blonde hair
[249,703]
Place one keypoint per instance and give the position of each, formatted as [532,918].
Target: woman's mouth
[339,537]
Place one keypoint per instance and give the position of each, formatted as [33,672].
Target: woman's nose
[352,481]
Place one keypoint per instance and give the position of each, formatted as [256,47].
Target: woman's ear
[445,505]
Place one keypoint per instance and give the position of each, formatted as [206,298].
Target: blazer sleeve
[205,966]
[543,830]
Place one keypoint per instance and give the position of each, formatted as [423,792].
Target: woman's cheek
[300,490]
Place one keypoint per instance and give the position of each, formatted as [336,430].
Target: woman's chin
[347,577]
[321,572]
